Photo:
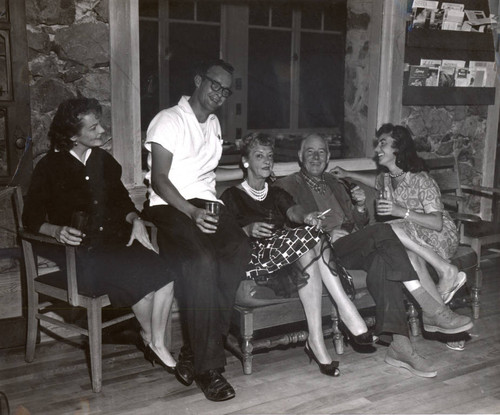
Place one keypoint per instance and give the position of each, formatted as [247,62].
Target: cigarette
[324,213]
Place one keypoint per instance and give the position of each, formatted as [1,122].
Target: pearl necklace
[393,176]
[259,195]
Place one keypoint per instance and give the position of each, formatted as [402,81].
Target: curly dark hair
[407,158]
[254,139]
[67,121]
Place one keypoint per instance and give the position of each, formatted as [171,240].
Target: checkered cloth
[285,247]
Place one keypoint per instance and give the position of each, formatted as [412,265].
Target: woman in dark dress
[261,211]
[114,255]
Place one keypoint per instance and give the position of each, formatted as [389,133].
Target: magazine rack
[422,43]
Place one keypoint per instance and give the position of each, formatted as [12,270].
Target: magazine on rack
[418,75]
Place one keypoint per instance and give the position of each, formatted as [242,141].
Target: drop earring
[245,165]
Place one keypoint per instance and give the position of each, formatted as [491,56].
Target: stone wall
[68,43]
[446,131]
[356,77]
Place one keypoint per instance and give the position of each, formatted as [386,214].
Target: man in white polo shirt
[212,253]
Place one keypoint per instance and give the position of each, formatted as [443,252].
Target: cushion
[481,228]
[464,258]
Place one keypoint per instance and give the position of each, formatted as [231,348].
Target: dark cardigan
[61,185]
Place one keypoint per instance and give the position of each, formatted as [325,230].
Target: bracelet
[407,213]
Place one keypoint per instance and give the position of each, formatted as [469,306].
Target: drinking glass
[270,217]
[213,209]
[79,220]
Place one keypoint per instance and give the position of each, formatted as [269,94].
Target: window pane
[259,15]
[321,102]
[189,44]
[282,16]
[311,16]
[208,11]
[269,79]
[148,8]
[181,10]
[148,43]
[336,17]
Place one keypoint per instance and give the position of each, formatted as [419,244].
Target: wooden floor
[283,382]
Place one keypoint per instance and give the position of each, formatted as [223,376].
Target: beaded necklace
[393,176]
[258,195]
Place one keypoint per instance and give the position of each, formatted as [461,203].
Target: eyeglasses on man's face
[217,87]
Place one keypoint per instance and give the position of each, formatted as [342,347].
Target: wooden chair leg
[32,326]
[246,330]
[338,337]
[94,316]
[413,320]
[475,291]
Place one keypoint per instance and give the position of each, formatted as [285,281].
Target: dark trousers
[377,250]
[211,267]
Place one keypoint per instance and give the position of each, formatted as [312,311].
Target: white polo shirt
[196,149]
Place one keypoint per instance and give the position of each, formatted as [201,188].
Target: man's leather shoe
[215,386]
[185,367]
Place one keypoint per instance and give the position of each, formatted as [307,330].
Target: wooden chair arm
[38,237]
[481,189]
[445,197]
[72,284]
[465,217]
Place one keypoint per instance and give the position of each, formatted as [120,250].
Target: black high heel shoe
[330,369]
[365,339]
[151,356]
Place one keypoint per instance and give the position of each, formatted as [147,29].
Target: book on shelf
[478,77]
[452,19]
[475,16]
[447,76]
[436,19]
[418,75]
[430,63]
[423,13]
[453,6]
[485,73]
[425,4]
[463,77]
[432,76]
[477,21]
[456,63]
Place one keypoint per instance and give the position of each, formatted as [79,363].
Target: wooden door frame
[18,119]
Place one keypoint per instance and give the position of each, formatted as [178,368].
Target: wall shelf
[440,95]
[423,43]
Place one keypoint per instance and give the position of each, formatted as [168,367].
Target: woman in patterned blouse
[409,195]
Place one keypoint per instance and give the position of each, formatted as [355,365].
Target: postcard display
[449,54]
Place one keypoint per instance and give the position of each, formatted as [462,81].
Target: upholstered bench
[258,307]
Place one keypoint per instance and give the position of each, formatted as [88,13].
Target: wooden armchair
[467,258]
[60,285]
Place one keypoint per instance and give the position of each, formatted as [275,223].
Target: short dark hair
[203,67]
[67,121]
[407,158]
[254,139]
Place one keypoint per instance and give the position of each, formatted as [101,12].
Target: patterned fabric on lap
[285,247]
